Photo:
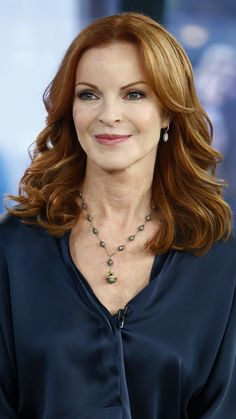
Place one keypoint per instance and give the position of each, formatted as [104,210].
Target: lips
[111,136]
[111,139]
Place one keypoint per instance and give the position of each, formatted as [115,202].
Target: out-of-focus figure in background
[3,181]
[216,80]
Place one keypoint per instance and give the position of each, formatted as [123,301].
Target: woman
[117,264]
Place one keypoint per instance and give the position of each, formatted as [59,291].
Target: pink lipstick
[111,138]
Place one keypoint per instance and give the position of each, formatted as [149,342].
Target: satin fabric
[171,355]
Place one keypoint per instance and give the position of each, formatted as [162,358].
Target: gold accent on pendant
[111,278]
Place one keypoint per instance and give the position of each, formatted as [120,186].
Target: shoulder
[223,251]
[15,232]
[214,272]
[26,248]
[10,224]
[7,220]
[216,269]
[220,260]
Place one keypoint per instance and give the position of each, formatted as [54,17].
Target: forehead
[116,60]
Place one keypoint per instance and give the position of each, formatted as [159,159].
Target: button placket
[108,354]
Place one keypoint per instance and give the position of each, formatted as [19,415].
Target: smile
[111,139]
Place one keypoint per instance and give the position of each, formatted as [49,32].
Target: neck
[123,197]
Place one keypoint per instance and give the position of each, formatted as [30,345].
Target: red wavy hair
[185,189]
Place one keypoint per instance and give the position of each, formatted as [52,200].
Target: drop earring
[166,135]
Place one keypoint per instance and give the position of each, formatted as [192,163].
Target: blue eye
[86,95]
[135,95]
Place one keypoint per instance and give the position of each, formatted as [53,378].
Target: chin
[114,168]
[116,165]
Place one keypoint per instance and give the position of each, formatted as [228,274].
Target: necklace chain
[111,277]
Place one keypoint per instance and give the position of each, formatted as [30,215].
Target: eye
[135,95]
[86,95]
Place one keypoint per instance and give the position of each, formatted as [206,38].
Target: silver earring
[166,135]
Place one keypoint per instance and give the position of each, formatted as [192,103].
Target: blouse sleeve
[8,379]
[217,400]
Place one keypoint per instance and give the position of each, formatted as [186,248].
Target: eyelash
[80,95]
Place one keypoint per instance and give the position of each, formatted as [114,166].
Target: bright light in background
[34,37]
[194,36]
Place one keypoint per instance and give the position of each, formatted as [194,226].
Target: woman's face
[113,97]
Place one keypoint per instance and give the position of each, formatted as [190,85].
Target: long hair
[185,189]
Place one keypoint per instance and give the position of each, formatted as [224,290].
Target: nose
[109,113]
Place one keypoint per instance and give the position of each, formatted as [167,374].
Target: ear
[166,119]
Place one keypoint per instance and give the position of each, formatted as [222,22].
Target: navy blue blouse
[168,354]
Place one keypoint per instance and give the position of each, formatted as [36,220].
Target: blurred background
[35,35]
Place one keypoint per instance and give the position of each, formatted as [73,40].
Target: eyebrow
[122,88]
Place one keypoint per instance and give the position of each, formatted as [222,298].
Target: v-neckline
[69,261]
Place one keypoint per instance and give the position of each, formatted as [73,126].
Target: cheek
[153,118]
[148,118]
[81,119]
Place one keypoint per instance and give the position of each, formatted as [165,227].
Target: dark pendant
[110,262]
[111,278]
[120,248]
